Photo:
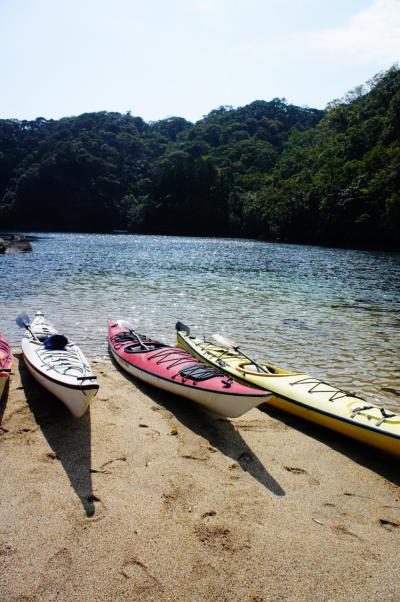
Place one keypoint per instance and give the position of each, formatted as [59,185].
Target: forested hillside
[269,170]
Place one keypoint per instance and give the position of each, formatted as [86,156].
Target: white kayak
[64,372]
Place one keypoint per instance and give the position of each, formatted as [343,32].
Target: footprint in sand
[149,431]
[173,498]
[331,519]
[295,470]
[217,537]
[302,471]
[192,457]
[338,529]
[139,574]
[388,524]
[50,456]
[101,468]
[56,571]
[343,530]
[220,538]
[260,426]
[6,550]
[193,452]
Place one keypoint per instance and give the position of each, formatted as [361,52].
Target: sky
[159,58]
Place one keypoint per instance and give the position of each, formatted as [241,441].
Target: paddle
[23,321]
[128,326]
[225,342]
[181,327]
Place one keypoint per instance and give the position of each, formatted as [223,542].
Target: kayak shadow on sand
[3,400]
[373,459]
[68,437]
[219,431]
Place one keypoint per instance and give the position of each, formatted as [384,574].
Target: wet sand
[147,497]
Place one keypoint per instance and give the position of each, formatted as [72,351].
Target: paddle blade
[125,324]
[181,327]
[224,341]
[23,320]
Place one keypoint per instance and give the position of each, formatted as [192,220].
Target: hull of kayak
[307,397]
[65,373]
[161,368]
[5,363]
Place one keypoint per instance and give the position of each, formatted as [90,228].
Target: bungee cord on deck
[172,357]
[63,361]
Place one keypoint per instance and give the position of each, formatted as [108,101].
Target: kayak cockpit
[135,343]
[252,370]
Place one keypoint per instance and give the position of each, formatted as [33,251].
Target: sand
[147,497]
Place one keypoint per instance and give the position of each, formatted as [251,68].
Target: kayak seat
[124,337]
[55,342]
[139,343]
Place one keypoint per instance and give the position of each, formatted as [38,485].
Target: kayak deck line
[186,384]
[80,387]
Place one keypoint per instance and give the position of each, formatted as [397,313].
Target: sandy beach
[147,497]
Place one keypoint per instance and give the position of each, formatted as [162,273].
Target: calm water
[332,312]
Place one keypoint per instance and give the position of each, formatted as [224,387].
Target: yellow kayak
[303,395]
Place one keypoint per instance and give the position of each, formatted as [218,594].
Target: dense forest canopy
[269,170]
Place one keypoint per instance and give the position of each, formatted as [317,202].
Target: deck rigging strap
[63,361]
[336,393]
[6,350]
[196,371]
[200,372]
[359,410]
[385,413]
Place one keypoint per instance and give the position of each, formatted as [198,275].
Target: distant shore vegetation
[268,170]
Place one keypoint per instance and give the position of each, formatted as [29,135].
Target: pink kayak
[6,360]
[175,370]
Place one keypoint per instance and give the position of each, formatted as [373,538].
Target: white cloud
[372,34]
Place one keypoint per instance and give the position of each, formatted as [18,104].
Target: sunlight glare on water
[333,313]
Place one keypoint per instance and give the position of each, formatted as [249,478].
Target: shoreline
[148,497]
[323,245]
